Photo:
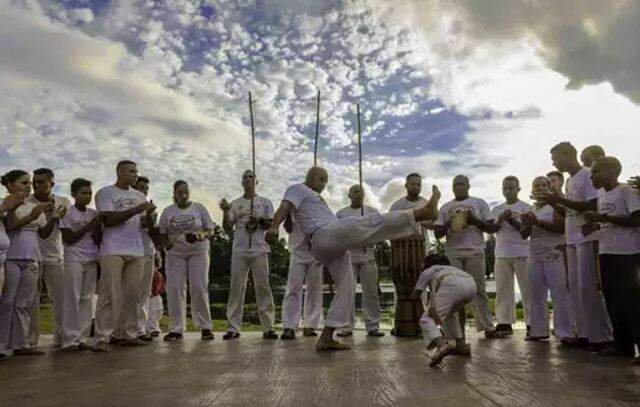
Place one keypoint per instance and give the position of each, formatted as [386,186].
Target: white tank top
[543,245]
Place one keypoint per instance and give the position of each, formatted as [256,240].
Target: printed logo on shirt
[461,208]
[123,204]
[182,221]
[607,207]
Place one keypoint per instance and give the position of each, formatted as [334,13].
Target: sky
[445,88]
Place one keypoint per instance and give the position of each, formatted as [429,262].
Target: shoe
[376,333]
[461,349]
[84,346]
[495,334]
[439,353]
[270,334]
[230,335]
[132,342]
[31,351]
[101,346]
[344,333]
[530,338]
[154,334]
[288,334]
[70,348]
[528,330]
[172,337]
[505,328]
[206,335]
[331,345]
[3,356]
[145,338]
[570,342]
[309,332]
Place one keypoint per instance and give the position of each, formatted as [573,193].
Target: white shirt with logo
[470,238]
[544,245]
[509,242]
[84,249]
[622,200]
[176,222]
[125,239]
[239,216]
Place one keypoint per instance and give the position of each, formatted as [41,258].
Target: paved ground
[378,372]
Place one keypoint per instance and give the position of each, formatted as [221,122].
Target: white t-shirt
[543,244]
[365,254]
[124,239]
[509,242]
[24,242]
[4,239]
[239,216]
[404,204]
[312,211]
[176,223]
[470,237]
[622,200]
[85,248]
[298,243]
[579,187]
[51,247]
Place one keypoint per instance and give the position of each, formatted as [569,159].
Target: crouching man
[450,289]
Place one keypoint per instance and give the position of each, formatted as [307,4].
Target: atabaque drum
[407,256]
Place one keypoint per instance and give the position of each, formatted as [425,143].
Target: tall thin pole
[359,154]
[315,145]
[253,162]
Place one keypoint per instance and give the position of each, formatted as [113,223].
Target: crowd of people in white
[581,244]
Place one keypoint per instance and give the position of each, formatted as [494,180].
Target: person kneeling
[450,289]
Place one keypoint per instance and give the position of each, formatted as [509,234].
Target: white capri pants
[304,272]
[505,269]
[20,286]
[367,273]
[178,269]
[52,272]
[80,290]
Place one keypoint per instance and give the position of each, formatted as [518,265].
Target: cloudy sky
[446,87]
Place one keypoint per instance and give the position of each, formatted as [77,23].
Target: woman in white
[186,227]
[21,267]
[547,268]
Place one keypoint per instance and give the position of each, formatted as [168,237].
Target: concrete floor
[378,372]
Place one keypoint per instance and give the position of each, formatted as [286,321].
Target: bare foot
[331,345]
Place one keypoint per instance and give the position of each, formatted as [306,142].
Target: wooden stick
[253,162]
[359,154]
[315,145]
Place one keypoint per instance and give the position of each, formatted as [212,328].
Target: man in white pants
[592,321]
[512,252]
[305,270]
[51,264]
[450,290]
[331,238]
[121,258]
[148,231]
[465,245]
[365,269]
[248,218]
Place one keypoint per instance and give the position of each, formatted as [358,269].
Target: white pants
[155,308]
[330,245]
[195,269]
[452,295]
[307,272]
[258,263]
[80,289]
[505,269]
[367,273]
[473,262]
[52,272]
[20,286]
[544,277]
[116,310]
[1,275]
[144,293]
[592,319]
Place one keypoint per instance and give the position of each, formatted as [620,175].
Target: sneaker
[309,332]
[288,334]
[100,346]
[331,345]
[461,349]
[439,353]
[376,333]
[270,334]
[495,334]
[229,335]
[570,342]
[172,337]
[84,346]
[344,333]
[132,342]
[507,328]
[145,338]
[30,351]
[154,334]
[530,338]
[206,335]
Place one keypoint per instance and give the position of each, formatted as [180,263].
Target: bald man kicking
[330,239]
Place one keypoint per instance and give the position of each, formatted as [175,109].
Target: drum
[407,256]
[459,221]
